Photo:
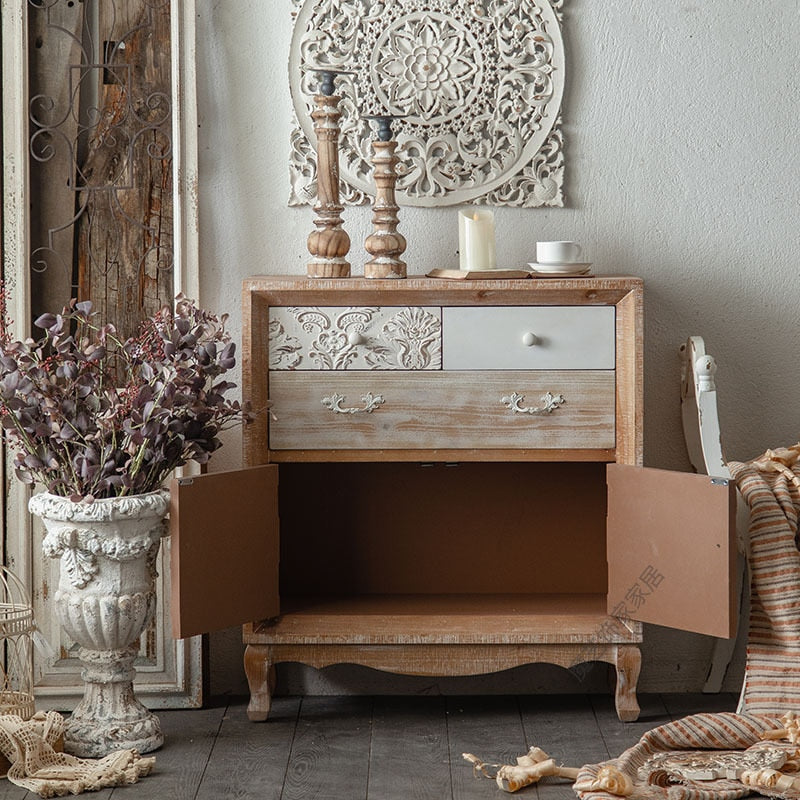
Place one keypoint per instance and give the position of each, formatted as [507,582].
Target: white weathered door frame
[176,679]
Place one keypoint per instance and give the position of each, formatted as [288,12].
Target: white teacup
[557,252]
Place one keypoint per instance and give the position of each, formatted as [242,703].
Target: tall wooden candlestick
[329,244]
[385,244]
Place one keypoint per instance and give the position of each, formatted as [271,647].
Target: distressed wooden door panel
[225,549]
[672,549]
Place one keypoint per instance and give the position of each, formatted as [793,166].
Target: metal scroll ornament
[478,83]
[100,140]
[549,403]
[370,401]
[672,767]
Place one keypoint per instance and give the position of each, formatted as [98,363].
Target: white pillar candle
[476,240]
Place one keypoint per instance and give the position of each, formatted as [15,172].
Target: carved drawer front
[531,337]
[355,338]
[428,410]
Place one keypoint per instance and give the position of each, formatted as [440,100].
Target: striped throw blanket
[772,672]
[699,732]
[770,485]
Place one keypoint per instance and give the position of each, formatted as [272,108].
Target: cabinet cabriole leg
[628,663]
[261,679]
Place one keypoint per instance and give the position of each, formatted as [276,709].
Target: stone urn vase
[105,599]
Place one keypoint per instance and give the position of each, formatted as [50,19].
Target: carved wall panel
[478,82]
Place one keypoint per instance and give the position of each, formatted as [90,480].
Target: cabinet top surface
[265,283]
[420,290]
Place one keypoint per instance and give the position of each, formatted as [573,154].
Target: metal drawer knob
[530,339]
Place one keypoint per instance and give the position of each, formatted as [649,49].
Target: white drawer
[355,338]
[432,410]
[528,337]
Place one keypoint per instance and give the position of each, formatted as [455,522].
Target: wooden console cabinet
[449,483]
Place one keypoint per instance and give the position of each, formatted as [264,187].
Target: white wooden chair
[701,431]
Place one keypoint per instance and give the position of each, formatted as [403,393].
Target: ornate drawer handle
[550,402]
[371,402]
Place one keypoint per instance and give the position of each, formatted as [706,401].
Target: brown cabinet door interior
[224,540]
[672,549]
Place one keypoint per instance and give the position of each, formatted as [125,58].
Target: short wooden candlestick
[329,244]
[385,244]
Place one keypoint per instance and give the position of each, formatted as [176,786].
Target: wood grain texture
[260,671]
[630,376]
[125,248]
[444,659]
[441,455]
[247,766]
[451,410]
[427,619]
[330,756]
[347,528]
[566,729]
[51,188]
[416,763]
[385,244]
[255,347]
[216,753]
[259,293]
[329,243]
[490,728]
[10,791]
[189,740]
[291,290]
[628,662]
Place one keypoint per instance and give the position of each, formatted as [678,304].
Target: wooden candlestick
[329,244]
[385,244]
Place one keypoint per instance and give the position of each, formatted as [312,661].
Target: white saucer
[571,266]
[557,275]
[560,269]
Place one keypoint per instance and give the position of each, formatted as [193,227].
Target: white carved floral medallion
[343,338]
[479,84]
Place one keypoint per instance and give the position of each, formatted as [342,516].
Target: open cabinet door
[225,547]
[671,542]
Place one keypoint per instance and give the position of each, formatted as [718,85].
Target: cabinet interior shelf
[466,618]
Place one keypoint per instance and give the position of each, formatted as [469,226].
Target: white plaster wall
[681,128]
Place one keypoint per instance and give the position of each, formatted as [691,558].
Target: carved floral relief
[311,338]
[478,82]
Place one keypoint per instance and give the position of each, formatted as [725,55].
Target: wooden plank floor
[384,748]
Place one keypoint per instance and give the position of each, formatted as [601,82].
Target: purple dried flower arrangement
[93,416]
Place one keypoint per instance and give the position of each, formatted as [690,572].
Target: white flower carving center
[427,66]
